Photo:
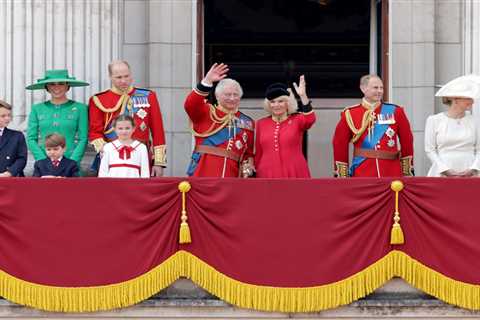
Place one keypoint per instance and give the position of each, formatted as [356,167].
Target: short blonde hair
[364,80]
[291,102]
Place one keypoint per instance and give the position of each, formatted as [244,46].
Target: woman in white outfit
[452,139]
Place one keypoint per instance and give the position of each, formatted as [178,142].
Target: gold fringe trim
[266,298]
[89,299]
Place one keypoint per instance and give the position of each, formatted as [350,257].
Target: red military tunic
[142,105]
[377,138]
[222,140]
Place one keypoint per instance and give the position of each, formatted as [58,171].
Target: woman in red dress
[279,137]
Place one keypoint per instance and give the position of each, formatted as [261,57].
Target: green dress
[69,119]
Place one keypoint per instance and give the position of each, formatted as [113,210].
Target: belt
[217,152]
[376,154]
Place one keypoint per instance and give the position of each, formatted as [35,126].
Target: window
[277,40]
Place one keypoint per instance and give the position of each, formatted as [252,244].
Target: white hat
[462,87]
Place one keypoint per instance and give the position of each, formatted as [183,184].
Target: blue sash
[219,138]
[378,132]
[139,99]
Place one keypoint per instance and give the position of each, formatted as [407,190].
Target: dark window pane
[277,40]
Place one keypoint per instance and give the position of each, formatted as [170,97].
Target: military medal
[245,137]
[386,119]
[141,113]
[390,132]
[238,144]
[143,126]
[391,143]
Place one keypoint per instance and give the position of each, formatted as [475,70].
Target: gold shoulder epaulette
[350,107]
[100,93]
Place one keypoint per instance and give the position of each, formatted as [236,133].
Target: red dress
[278,146]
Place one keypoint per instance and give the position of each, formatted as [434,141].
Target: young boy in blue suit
[13,149]
[55,165]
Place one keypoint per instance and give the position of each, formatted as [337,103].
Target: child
[13,149]
[124,157]
[55,165]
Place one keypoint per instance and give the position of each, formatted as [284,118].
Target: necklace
[457,118]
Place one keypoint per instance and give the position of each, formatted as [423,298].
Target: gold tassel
[185,236]
[185,233]
[396,234]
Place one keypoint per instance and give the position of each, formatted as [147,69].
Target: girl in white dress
[452,139]
[124,157]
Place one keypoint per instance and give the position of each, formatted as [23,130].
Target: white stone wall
[35,35]
[414,64]
[157,41]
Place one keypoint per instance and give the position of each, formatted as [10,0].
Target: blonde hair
[364,80]
[292,104]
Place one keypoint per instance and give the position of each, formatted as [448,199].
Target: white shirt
[136,166]
[451,143]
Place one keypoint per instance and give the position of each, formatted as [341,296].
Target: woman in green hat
[58,115]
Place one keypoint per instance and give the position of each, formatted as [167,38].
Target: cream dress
[113,166]
[451,143]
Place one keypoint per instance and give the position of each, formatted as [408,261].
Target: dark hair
[47,84]
[55,140]
[5,105]
[123,117]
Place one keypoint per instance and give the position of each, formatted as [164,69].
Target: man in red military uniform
[380,134]
[223,134]
[141,104]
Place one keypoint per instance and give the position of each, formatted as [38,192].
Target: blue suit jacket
[13,152]
[45,167]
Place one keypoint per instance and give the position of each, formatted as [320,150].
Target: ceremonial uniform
[121,161]
[222,139]
[377,135]
[142,105]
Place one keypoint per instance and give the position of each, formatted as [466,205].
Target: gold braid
[120,103]
[367,121]
[223,121]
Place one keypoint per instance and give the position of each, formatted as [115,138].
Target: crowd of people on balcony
[124,125]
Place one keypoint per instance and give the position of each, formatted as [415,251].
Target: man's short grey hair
[226,82]
[366,79]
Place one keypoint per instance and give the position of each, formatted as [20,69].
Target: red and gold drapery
[278,245]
